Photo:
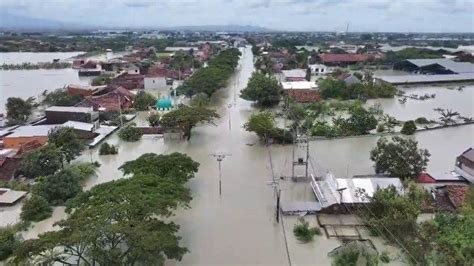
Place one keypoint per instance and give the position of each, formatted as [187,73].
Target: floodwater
[33,58]
[239,227]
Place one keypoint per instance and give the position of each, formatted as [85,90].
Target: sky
[304,15]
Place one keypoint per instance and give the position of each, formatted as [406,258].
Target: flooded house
[464,165]
[301,91]
[340,195]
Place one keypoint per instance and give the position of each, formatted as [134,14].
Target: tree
[176,165]
[399,157]
[63,185]
[200,100]
[107,149]
[8,242]
[361,121]
[409,128]
[42,162]
[130,133]
[118,222]
[60,97]
[263,124]
[67,141]
[19,110]
[262,89]
[303,232]
[154,120]
[185,118]
[143,101]
[35,209]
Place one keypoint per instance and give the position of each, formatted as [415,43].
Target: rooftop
[469,154]
[294,73]
[458,67]
[8,196]
[30,131]
[348,58]
[72,109]
[402,79]
[295,85]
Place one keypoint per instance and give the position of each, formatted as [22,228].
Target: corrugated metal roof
[458,67]
[294,73]
[72,109]
[402,79]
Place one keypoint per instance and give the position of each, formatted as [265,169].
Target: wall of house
[16,142]
[155,83]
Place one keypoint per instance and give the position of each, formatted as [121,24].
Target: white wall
[155,83]
[319,69]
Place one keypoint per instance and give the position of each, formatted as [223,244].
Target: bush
[409,128]
[381,128]
[8,242]
[101,80]
[143,101]
[130,133]
[35,209]
[107,149]
[422,120]
[154,120]
[303,232]
[384,257]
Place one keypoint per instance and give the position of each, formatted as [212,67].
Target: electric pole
[220,157]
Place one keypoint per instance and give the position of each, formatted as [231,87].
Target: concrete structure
[10,197]
[319,69]
[155,82]
[132,70]
[294,75]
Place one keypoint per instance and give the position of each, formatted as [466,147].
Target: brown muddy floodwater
[239,227]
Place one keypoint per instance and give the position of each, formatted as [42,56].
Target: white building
[319,69]
[298,85]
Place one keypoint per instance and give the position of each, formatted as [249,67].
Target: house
[78,63]
[62,114]
[440,178]
[182,49]
[464,165]
[9,167]
[299,85]
[83,90]
[304,95]
[25,134]
[9,197]
[129,82]
[344,59]
[132,69]
[319,69]
[120,98]
[90,68]
[441,66]
[449,198]
[294,75]
[349,78]
[338,195]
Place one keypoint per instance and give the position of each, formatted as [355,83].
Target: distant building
[25,134]
[349,78]
[319,69]
[434,66]
[183,49]
[345,59]
[115,100]
[299,85]
[83,90]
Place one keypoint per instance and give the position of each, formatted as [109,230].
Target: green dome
[164,103]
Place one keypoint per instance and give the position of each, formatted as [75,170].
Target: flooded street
[239,227]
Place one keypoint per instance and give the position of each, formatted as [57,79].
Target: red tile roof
[29,146]
[344,58]
[9,167]
[457,194]
[304,95]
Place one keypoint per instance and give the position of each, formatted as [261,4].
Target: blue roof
[164,103]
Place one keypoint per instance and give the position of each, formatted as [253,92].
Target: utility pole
[278,206]
[120,110]
[301,143]
[220,157]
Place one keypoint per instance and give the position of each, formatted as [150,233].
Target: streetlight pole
[220,157]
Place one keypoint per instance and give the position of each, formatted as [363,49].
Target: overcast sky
[312,15]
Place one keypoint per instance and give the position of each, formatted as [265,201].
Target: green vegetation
[103,79]
[35,209]
[303,232]
[263,124]
[107,149]
[130,133]
[411,53]
[262,89]
[127,212]
[19,110]
[8,242]
[399,157]
[409,128]
[422,120]
[63,185]
[355,256]
[59,97]
[67,141]
[360,122]
[41,65]
[213,77]
[200,100]
[185,118]
[42,162]
[337,89]
[154,120]
[143,101]
[384,257]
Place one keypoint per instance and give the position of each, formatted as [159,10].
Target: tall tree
[185,118]
[262,89]
[263,124]
[42,162]
[399,157]
[67,141]
[19,110]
